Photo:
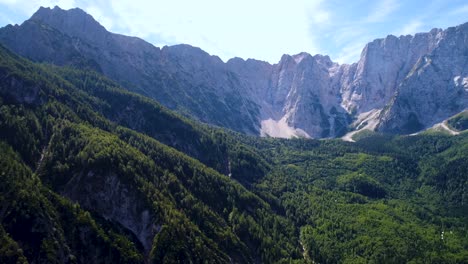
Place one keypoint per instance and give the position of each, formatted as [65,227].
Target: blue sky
[260,29]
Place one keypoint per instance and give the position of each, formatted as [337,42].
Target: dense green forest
[459,122]
[91,173]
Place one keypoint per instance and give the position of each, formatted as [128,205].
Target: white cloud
[260,29]
[460,10]
[320,17]
[6,19]
[350,36]
[411,28]
[250,29]
[351,52]
[99,15]
[8,2]
[382,10]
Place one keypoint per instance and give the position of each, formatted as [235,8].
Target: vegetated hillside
[107,181]
[92,173]
[382,199]
[460,121]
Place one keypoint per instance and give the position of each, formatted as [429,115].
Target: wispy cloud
[351,52]
[460,10]
[411,28]
[354,24]
[100,16]
[249,29]
[319,16]
[382,10]
[8,2]
[260,29]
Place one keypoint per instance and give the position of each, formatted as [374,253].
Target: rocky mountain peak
[301,95]
[298,58]
[324,60]
[286,59]
[431,91]
[74,22]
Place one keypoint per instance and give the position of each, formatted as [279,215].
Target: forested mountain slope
[91,173]
[162,204]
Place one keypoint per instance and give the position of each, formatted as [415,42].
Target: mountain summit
[400,84]
[75,22]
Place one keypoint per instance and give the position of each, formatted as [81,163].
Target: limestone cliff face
[435,89]
[301,94]
[384,64]
[298,96]
[312,96]
[399,85]
[180,77]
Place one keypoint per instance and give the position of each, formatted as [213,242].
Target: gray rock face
[321,98]
[297,96]
[115,201]
[399,85]
[180,77]
[435,89]
[383,65]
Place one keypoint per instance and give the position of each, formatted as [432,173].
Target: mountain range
[400,85]
[97,167]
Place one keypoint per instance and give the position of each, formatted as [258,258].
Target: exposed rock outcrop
[399,85]
[435,89]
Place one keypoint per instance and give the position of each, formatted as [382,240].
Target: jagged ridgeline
[400,85]
[92,173]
